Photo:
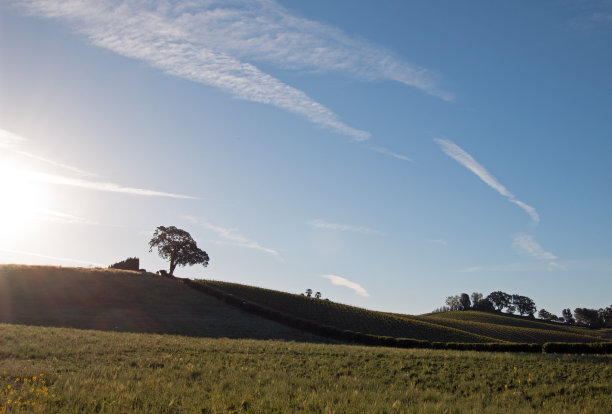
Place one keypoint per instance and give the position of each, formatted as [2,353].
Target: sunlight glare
[21,198]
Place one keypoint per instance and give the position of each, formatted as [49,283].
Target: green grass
[120,300]
[94,371]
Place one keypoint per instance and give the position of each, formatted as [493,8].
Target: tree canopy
[500,299]
[523,305]
[178,247]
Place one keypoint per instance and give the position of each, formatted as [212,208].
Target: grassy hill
[120,300]
[465,326]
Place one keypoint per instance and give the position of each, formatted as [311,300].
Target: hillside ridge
[122,300]
[430,327]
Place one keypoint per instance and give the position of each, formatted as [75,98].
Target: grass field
[94,371]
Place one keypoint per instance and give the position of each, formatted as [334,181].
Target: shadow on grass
[114,300]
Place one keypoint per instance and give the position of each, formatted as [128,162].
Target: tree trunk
[172,267]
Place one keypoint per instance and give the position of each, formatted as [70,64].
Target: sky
[387,154]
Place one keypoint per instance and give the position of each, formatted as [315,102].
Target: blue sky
[387,155]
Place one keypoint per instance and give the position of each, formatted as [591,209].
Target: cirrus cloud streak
[458,154]
[232,237]
[218,43]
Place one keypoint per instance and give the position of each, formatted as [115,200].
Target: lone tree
[177,246]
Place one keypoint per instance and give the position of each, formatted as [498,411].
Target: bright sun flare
[21,199]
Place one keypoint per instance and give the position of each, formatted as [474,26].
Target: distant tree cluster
[495,301]
[592,318]
[131,263]
[498,301]
[512,303]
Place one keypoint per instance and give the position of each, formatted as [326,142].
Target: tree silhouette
[178,247]
[464,300]
[318,295]
[568,317]
[588,317]
[544,314]
[476,297]
[523,305]
[454,302]
[500,300]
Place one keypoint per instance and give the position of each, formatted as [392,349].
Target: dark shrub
[131,263]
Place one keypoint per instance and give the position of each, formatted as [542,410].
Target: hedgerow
[578,348]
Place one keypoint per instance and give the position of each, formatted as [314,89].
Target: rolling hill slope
[119,300]
[512,329]
[464,326]
[346,317]
[126,301]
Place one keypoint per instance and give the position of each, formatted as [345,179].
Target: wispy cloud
[322,224]
[98,186]
[455,152]
[12,142]
[214,43]
[57,216]
[232,237]
[9,139]
[341,281]
[385,151]
[526,244]
[58,258]
[54,163]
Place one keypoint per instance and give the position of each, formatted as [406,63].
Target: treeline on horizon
[498,301]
